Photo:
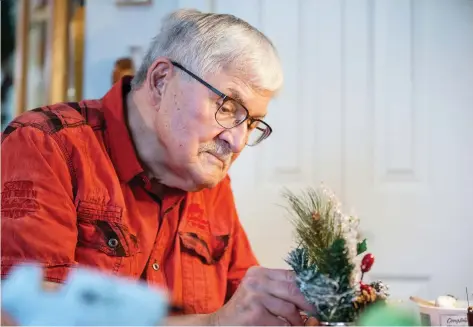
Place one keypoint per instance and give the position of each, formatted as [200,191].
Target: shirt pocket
[104,241]
[204,258]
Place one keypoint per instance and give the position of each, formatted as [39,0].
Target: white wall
[377,104]
[110,31]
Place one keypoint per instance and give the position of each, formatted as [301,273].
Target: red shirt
[74,193]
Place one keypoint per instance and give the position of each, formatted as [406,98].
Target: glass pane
[230,114]
[76,50]
[9,15]
[38,64]
[256,134]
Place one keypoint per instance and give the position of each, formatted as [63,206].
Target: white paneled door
[378,104]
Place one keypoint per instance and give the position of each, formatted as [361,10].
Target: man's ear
[158,76]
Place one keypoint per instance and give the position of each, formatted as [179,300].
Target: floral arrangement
[331,258]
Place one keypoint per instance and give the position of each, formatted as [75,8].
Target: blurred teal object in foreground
[387,315]
[88,298]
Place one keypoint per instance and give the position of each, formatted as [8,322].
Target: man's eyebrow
[235,95]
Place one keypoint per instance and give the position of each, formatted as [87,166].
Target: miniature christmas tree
[327,261]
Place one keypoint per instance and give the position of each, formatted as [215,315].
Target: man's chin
[209,183]
[209,180]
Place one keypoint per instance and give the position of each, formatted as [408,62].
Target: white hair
[208,43]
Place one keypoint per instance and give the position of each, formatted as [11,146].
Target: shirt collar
[118,138]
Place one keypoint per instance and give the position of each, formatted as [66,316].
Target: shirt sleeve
[38,212]
[242,255]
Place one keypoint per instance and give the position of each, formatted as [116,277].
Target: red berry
[367,262]
[364,287]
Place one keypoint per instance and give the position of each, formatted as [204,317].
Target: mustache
[219,149]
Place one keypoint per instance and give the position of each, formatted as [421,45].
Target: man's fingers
[283,275]
[283,309]
[271,320]
[311,322]
[276,298]
[289,292]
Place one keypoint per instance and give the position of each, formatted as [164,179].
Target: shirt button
[113,243]
[155,266]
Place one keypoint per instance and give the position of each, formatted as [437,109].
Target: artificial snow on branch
[327,259]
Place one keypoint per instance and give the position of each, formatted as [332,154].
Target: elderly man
[136,183]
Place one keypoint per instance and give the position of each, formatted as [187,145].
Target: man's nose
[236,137]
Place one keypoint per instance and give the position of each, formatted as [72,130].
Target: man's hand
[6,320]
[265,297]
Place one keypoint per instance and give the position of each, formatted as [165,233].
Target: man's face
[198,151]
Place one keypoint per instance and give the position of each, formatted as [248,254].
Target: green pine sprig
[321,261]
[312,217]
[330,293]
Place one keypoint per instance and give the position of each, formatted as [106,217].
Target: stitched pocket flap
[99,227]
[209,249]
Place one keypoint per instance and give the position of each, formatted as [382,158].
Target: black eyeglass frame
[224,98]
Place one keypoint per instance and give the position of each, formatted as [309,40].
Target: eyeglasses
[231,113]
